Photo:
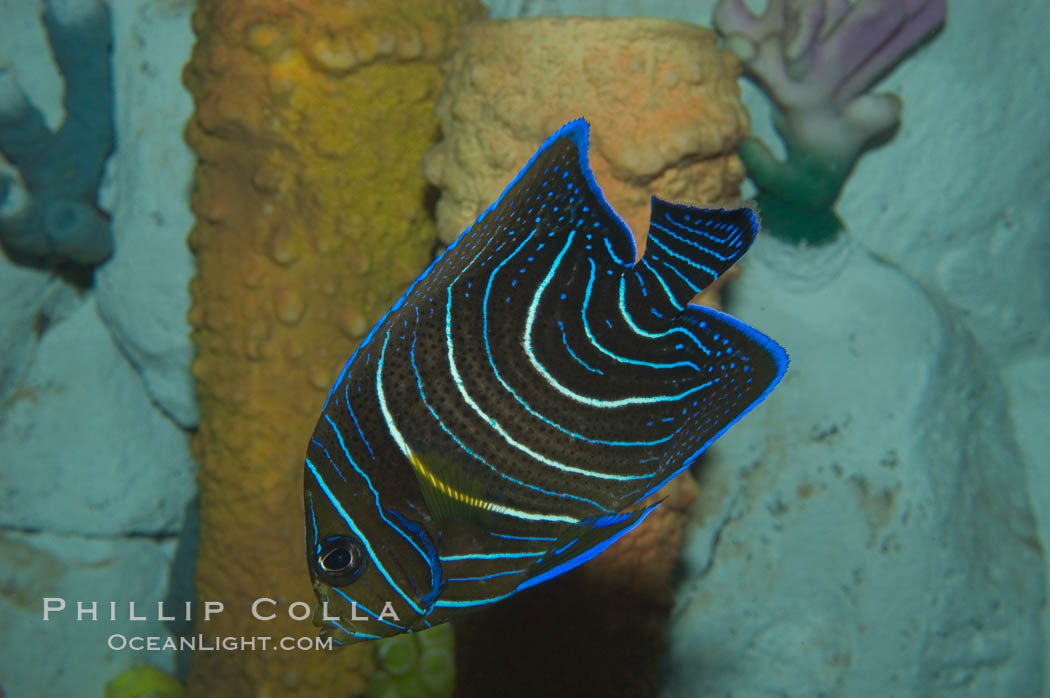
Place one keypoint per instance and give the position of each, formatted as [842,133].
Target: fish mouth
[328,628]
[342,631]
[330,631]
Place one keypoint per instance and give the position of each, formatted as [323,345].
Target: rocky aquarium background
[876,528]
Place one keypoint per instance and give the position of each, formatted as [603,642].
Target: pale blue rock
[865,534]
[85,451]
[143,290]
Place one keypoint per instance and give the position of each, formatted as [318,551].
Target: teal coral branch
[796,195]
[809,180]
[59,222]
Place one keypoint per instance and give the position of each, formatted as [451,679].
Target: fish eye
[340,560]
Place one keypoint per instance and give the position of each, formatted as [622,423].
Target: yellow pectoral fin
[449,491]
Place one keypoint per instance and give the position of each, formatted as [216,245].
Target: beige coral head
[661,98]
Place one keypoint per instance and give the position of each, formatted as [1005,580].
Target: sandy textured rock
[662,102]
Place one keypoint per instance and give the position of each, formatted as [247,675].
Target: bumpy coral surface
[311,121]
[663,102]
[666,119]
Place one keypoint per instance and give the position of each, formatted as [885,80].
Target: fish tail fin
[688,247]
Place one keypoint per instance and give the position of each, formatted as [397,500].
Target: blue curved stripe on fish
[517,402]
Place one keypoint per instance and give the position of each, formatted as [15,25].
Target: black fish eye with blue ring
[340,560]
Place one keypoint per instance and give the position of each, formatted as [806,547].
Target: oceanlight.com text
[201,643]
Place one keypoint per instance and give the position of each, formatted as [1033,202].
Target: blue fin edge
[774,350]
[589,553]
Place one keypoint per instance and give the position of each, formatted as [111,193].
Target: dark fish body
[498,424]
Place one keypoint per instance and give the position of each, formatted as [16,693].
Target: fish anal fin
[582,542]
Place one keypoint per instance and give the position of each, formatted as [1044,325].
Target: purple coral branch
[817,59]
[810,52]
[918,19]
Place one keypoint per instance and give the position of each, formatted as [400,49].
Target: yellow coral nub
[335,55]
[143,681]
[417,665]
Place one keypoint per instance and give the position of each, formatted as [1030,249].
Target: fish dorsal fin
[687,248]
[582,542]
[556,192]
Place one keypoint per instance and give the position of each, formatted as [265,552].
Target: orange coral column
[311,121]
[666,119]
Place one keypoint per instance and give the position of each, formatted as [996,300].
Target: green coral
[143,681]
[416,665]
[795,197]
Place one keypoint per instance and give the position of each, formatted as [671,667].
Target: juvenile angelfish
[500,423]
